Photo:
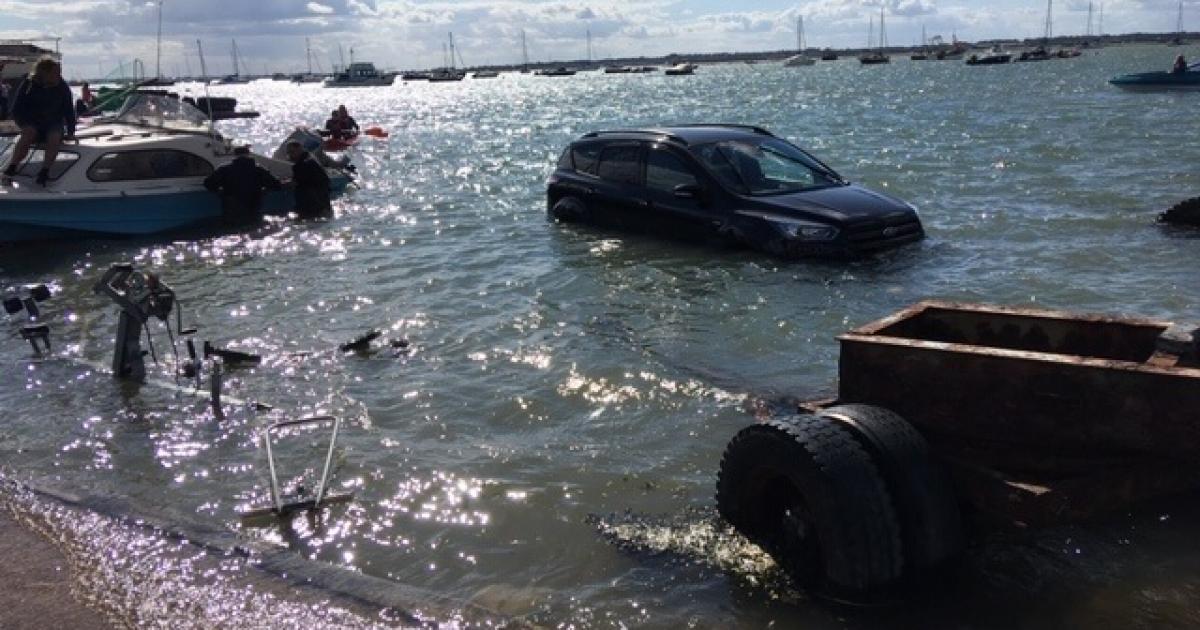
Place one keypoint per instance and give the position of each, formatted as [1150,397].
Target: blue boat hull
[1154,81]
[50,216]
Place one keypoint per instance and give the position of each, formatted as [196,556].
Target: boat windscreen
[153,110]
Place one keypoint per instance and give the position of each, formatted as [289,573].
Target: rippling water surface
[548,447]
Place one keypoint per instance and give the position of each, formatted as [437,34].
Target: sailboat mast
[524,51]
[203,66]
[1089,22]
[589,45]
[158,45]
[308,54]
[1179,20]
[453,65]
[882,32]
[1049,20]
[871,33]
[1100,26]
[233,56]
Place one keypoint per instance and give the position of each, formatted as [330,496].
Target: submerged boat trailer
[953,418]
[142,296]
[26,299]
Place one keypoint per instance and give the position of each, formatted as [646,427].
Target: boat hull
[50,216]
[1158,81]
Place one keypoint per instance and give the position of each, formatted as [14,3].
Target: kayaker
[334,127]
[311,183]
[43,109]
[1180,65]
[241,185]
[349,125]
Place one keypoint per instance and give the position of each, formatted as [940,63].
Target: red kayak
[339,144]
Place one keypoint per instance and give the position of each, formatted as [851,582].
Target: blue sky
[97,34]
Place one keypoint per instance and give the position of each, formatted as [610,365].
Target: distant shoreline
[1065,41]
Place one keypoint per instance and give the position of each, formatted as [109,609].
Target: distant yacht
[877,57]
[681,69]
[361,74]
[800,59]
[17,59]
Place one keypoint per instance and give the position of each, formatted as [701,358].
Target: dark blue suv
[730,183]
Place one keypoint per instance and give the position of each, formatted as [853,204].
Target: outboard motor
[140,296]
[312,142]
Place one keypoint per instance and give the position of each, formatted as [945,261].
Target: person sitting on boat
[1180,66]
[335,127]
[44,111]
[311,183]
[241,184]
[349,125]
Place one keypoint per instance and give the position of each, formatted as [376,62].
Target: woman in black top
[43,109]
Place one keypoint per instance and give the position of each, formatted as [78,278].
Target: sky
[98,35]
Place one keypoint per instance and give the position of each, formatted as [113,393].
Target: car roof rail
[636,132]
[751,128]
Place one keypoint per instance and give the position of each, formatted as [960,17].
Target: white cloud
[316,7]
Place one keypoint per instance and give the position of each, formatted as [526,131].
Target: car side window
[620,164]
[665,171]
[587,158]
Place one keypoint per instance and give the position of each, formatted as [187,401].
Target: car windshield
[768,167]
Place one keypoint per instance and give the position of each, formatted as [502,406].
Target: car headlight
[803,230]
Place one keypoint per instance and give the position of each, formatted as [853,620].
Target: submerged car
[732,183]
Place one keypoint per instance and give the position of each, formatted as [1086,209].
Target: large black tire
[806,490]
[930,520]
[1183,213]
[568,209]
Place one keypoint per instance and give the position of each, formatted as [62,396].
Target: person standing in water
[311,182]
[241,185]
[43,109]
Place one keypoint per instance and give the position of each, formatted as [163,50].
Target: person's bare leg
[53,142]
[28,134]
[50,153]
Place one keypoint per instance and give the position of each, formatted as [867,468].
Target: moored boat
[138,173]
[1159,81]
[681,69]
[361,74]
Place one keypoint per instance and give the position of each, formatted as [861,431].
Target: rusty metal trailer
[1023,416]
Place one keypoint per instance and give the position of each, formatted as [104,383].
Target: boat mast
[308,54]
[589,45]
[1049,21]
[882,32]
[342,57]
[1089,22]
[158,45]
[1179,20]
[524,51]
[800,43]
[1100,26]
[871,33]
[203,67]
[452,63]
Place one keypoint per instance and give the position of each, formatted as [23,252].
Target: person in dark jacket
[43,108]
[311,181]
[241,184]
[349,125]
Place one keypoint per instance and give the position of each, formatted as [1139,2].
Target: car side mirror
[689,191]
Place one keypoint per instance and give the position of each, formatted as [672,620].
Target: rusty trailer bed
[1042,416]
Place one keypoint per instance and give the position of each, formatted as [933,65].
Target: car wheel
[806,490]
[930,521]
[568,209]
